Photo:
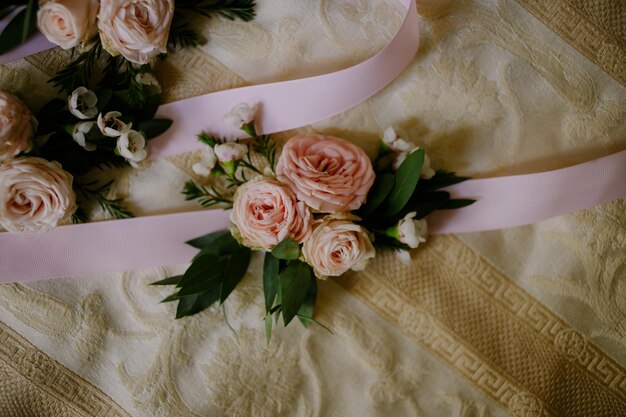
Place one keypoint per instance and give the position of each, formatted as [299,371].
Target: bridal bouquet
[130,34]
[318,210]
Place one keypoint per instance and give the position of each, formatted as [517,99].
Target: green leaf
[271,266]
[288,249]
[424,204]
[170,298]
[458,203]
[204,273]
[193,304]
[207,240]
[407,177]
[309,321]
[377,194]
[150,107]
[153,128]
[236,268]
[169,281]
[441,179]
[294,282]
[308,306]
[268,328]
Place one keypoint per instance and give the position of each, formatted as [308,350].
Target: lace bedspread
[527,322]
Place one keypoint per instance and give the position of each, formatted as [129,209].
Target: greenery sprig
[229,9]
[115,207]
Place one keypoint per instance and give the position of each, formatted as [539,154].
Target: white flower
[111,126]
[131,146]
[150,81]
[231,151]
[426,173]
[82,103]
[206,164]
[410,231]
[80,132]
[396,144]
[240,115]
[403,256]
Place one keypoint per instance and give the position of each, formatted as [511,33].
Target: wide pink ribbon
[159,240]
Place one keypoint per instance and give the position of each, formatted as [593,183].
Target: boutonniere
[316,210]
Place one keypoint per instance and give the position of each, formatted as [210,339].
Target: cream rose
[328,174]
[136,29]
[266,212]
[337,245]
[67,22]
[17,126]
[35,195]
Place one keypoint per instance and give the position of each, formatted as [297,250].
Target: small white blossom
[80,132]
[240,115]
[131,146]
[150,81]
[82,103]
[403,256]
[396,144]
[231,151]
[410,231]
[111,126]
[206,164]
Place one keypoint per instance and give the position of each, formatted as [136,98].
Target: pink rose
[35,195]
[67,22]
[137,29]
[337,245]
[266,212]
[17,126]
[329,174]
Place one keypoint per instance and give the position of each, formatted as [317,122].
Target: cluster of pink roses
[35,194]
[319,181]
[138,30]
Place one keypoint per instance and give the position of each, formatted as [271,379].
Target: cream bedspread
[527,322]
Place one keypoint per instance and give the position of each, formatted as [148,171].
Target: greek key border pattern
[538,317]
[52,378]
[574,26]
[387,290]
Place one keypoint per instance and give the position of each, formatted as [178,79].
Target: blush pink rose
[67,23]
[35,195]
[329,174]
[266,212]
[336,245]
[136,29]
[17,126]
